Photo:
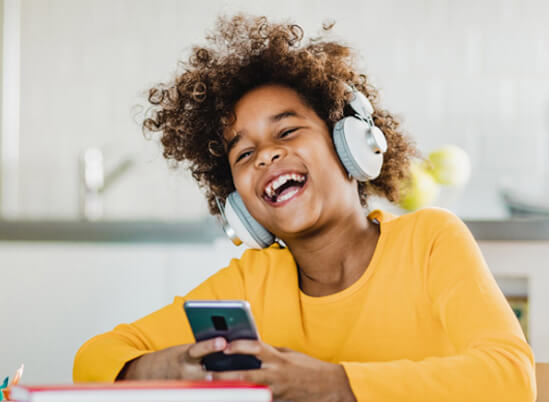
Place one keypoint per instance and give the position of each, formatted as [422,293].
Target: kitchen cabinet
[57,294]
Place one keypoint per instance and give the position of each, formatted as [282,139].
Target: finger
[255,376]
[283,350]
[244,346]
[263,351]
[200,349]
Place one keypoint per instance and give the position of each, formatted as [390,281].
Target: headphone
[360,146]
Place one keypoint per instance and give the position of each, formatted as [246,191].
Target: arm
[291,376]
[103,357]
[493,362]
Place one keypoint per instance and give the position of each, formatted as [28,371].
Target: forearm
[155,365]
[480,375]
[342,386]
[130,371]
[102,358]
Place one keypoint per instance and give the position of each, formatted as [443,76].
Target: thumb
[283,350]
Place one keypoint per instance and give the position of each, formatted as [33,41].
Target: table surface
[542,380]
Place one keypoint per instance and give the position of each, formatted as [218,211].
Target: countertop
[480,206]
[207,230]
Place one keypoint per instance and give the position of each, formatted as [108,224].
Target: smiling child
[348,305]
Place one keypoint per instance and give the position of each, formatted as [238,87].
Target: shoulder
[435,217]
[430,217]
[244,277]
[437,226]
[257,265]
[262,258]
[426,223]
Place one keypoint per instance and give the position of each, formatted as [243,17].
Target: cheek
[327,162]
[240,184]
[243,181]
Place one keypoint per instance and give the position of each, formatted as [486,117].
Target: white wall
[470,72]
[53,297]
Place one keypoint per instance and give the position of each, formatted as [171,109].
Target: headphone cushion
[262,236]
[344,153]
[352,147]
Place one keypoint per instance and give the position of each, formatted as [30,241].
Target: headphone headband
[359,102]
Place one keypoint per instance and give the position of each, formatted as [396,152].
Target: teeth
[280,180]
[287,195]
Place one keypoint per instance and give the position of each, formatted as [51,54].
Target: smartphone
[230,319]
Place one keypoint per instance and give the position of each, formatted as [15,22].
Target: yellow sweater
[425,322]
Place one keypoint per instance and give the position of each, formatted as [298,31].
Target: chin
[296,226]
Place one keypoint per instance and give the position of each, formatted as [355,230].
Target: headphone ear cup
[244,225]
[353,147]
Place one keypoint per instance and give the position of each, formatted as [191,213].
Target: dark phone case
[219,361]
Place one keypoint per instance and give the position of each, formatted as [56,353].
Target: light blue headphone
[360,146]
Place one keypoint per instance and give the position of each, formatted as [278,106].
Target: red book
[145,391]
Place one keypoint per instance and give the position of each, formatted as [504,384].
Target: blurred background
[471,73]
[88,205]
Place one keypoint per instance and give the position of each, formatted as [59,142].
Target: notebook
[145,391]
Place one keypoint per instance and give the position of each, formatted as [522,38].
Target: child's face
[276,135]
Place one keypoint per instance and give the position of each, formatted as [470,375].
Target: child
[348,306]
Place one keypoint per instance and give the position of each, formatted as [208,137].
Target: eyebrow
[274,119]
[233,142]
[285,114]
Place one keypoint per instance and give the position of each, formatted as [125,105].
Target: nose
[267,155]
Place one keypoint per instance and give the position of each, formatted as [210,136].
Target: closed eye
[285,133]
[243,155]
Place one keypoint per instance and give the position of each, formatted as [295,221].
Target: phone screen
[229,319]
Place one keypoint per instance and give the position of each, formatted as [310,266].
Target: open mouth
[284,187]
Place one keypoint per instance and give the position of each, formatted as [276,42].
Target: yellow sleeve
[492,362]
[101,358]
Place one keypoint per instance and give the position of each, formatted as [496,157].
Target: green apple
[450,165]
[420,189]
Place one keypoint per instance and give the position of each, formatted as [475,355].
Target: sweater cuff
[94,367]
[354,379]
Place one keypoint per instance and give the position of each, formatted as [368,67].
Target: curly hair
[245,52]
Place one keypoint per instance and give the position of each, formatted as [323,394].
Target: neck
[332,259]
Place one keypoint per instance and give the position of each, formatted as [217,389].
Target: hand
[181,362]
[290,375]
